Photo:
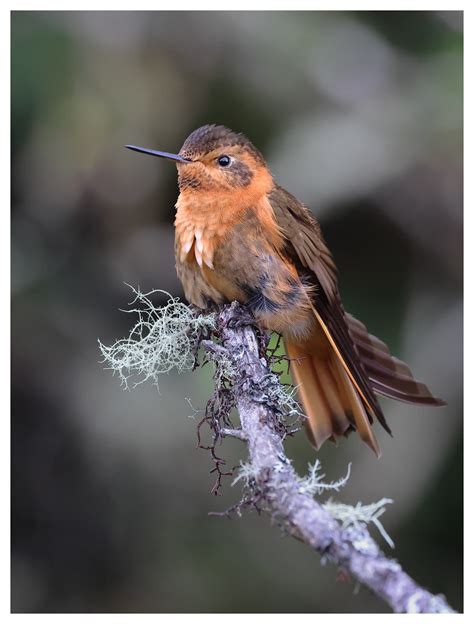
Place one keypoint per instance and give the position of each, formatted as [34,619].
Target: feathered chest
[227,252]
[198,230]
[205,223]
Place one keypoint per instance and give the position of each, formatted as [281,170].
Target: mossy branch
[169,337]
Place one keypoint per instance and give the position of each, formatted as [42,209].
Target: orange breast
[205,219]
[227,251]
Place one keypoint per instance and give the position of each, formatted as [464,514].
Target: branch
[280,490]
[169,337]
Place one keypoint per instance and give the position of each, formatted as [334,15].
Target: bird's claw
[242,318]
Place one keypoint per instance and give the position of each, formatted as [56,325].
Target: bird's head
[214,158]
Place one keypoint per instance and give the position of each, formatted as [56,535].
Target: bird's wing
[305,246]
[368,359]
[304,238]
[388,375]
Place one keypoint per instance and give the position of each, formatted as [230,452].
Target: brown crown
[213,137]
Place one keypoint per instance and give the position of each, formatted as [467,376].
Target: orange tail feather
[331,403]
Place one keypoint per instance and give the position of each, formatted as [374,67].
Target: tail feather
[390,392]
[388,375]
[334,398]
[331,403]
[347,355]
[362,421]
[319,423]
[337,377]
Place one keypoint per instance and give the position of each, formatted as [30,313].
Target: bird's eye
[224,161]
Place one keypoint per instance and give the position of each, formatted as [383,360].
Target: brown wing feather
[371,366]
[307,249]
[304,236]
[389,376]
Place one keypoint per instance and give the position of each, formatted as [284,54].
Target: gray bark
[351,548]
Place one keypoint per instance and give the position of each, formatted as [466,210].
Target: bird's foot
[241,317]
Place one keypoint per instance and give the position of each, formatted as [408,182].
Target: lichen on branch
[162,339]
[169,337]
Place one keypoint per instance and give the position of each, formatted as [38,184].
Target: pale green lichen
[246,474]
[361,515]
[349,515]
[163,338]
[314,484]
[282,399]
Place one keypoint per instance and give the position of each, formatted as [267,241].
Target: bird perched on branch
[240,236]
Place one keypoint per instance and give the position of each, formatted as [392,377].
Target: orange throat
[205,218]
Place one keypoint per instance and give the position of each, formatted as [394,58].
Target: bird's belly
[245,266]
[268,285]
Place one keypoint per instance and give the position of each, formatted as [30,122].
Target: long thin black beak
[151,152]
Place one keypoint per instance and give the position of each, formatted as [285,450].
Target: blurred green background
[360,116]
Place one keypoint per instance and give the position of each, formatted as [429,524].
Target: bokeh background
[360,116]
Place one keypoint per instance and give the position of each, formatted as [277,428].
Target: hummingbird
[239,236]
